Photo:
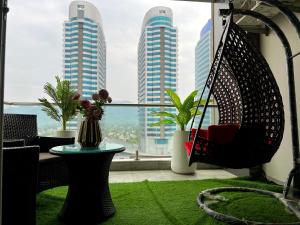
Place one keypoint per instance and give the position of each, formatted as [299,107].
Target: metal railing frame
[13,103]
[137,155]
[3,19]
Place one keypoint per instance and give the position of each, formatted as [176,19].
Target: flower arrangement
[92,110]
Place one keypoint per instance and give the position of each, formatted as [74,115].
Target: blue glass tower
[157,71]
[202,65]
[84,63]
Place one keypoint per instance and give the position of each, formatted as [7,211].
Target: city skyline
[203,60]
[84,51]
[37,56]
[157,71]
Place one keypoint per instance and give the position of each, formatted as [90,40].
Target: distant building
[157,71]
[202,65]
[84,50]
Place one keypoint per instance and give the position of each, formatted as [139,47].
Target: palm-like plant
[63,105]
[186,110]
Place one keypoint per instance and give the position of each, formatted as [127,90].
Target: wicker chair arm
[46,143]
[13,143]
[23,150]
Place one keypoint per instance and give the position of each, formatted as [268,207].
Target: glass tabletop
[77,149]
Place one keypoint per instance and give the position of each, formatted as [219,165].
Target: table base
[88,199]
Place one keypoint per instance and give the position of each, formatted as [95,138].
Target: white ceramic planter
[179,161]
[66,133]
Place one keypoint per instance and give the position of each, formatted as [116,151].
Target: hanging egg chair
[251,115]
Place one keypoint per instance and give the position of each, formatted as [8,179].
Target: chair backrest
[20,172]
[20,126]
[245,88]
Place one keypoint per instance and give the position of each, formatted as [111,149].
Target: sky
[35,44]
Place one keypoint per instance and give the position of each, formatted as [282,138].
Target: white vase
[66,133]
[179,161]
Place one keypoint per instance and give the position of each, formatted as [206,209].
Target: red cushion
[222,134]
[203,133]
[193,133]
[188,147]
[219,134]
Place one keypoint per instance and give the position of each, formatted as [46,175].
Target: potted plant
[185,112]
[90,133]
[63,106]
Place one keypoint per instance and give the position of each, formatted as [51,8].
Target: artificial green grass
[174,202]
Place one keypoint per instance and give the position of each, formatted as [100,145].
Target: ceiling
[254,25]
[250,23]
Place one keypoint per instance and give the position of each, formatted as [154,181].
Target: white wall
[217,24]
[216,36]
[273,51]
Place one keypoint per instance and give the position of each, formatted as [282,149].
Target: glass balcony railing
[127,124]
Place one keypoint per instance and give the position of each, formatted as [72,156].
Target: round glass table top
[77,149]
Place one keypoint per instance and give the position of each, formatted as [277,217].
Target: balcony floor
[165,175]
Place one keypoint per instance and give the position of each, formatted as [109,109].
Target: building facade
[84,50]
[157,71]
[203,58]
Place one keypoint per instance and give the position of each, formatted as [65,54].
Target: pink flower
[92,110]
[85,104]
[95,97]
[76,96]
[103,94]
[93,107]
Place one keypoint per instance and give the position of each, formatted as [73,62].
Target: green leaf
[189,101]
[186,110]
[184,117]
[174,98]
[62,97]
[164,114]
[50,109]
[203,101]
[193,111]
[162,122]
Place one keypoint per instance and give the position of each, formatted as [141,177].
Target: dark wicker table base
[88,199]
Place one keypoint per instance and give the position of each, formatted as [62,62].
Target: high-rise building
[157,71]
[202,65]
[84,50]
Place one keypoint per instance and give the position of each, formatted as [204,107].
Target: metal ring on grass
[233,220]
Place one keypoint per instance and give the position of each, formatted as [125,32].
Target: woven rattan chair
[251,115]
[20,172]
[52,169]
[251,111]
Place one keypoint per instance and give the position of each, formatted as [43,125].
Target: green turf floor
[173,202]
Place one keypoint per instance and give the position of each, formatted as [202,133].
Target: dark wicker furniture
[88,200]
[13,143]
[20,169]
[52,169]
[267,115]
[247,95]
